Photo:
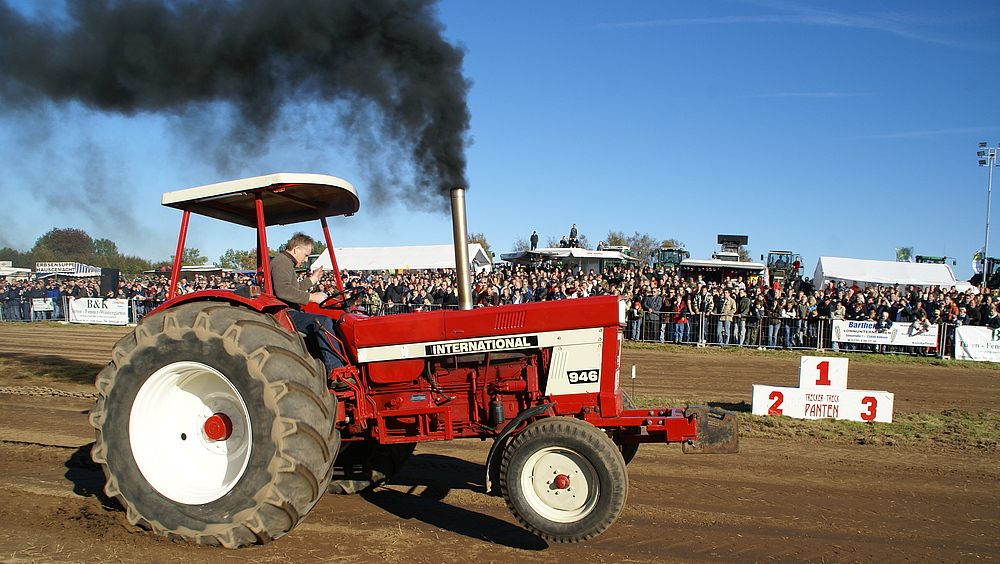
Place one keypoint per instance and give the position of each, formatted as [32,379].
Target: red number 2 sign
[775,408]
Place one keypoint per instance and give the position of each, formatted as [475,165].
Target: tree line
[75,245]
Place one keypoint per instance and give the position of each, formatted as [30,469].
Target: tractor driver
[295,293]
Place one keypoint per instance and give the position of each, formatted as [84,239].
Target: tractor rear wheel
[563,479]
[363,465]
[214,425]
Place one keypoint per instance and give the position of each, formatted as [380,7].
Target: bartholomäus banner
[914,334]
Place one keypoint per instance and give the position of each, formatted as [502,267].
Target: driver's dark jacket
[287,286]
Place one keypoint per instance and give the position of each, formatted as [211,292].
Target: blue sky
[838,129]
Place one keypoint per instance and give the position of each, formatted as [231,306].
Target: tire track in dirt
[75,344]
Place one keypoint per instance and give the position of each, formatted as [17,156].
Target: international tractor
[216,422]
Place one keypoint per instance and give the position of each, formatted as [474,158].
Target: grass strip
[952,428]
[861,357]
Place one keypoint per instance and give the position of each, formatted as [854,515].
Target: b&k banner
[98,311]
[977,343]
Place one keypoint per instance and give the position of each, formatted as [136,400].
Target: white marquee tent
[884,272]
[14,272]
[416,257]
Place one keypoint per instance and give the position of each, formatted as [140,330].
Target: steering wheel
[343,299]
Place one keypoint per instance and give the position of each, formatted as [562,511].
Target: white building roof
[885,272]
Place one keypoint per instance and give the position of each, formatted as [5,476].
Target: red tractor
[216,423]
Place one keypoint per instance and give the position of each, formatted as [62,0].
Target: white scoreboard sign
[823,393]
[803,403]
[821,372]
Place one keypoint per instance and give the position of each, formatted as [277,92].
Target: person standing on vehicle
[534,240]
[289,289]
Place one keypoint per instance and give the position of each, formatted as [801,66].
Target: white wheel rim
[540,484]
[167,433]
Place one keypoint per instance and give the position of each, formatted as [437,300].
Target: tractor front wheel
[563,479]
[214,425]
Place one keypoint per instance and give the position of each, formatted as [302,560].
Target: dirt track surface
[778,500]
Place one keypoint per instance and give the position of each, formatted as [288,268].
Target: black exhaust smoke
[381,65]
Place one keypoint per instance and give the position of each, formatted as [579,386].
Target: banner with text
[98,311]
[63,267]
[977,343]
[816,403]
[899,334]
[42,304]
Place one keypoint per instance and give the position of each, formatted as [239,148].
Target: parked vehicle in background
[782,265]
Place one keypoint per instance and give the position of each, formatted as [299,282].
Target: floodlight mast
[988,158]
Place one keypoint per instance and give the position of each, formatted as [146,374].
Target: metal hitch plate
[718,431]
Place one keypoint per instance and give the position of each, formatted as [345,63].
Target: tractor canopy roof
[286,198]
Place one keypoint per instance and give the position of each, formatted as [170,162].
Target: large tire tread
[581,437]
[304,431]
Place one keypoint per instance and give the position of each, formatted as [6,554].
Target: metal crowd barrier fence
[764,333]
[26,309]
[699,329]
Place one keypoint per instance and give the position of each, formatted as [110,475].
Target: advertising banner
[977,343]
[817,403]
[41,304]
[55,266]
[899,334]
[98,311]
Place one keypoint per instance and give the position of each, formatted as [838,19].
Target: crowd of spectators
[661,305]
[145,292]
[667,308]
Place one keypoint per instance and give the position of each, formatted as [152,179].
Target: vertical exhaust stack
[461,235]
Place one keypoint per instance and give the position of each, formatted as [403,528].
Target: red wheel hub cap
[561,482]
[218,427]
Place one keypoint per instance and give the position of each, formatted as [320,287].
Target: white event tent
[884,272]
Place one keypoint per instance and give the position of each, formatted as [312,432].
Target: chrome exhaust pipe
[461,236]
